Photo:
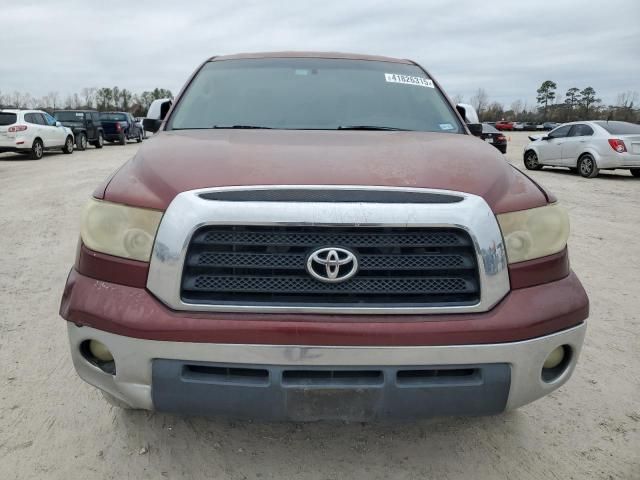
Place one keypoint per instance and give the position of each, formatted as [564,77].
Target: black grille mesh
[309,285]
[266,265]
[446,239]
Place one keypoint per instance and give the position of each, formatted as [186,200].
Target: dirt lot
[54,426]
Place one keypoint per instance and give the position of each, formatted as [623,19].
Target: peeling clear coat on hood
[176,161]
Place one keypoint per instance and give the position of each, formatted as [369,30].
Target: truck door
[95,117]
[133,128]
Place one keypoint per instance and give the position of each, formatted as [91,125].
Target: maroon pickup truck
[320,236]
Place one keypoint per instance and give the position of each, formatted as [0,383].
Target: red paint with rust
[134,312]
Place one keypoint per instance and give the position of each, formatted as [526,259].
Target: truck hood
[176,161]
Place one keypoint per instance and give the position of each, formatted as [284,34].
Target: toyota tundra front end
[318,236]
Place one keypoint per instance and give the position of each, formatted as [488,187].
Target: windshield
[117,117]
[313,93]
[620,128]
[69,116]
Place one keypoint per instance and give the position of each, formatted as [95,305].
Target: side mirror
[58,124]
[157,112]
[151,124]
[470,116]
[468,113]
[475,129]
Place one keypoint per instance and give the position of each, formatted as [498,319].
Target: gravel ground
[54,426]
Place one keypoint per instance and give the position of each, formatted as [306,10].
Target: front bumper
[193,378]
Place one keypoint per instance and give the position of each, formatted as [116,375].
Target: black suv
[85,124]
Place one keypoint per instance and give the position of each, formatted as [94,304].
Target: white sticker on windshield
[408,80]
[446,126]
[78,114]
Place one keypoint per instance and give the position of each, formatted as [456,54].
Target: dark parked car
[120,127]
[530,126]
[550,125]
[494,137]
[86,126]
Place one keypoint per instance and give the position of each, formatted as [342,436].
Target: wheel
[635,172]
[123,139]
[110,399]
[531,161]
[37,149]
[81,141]
[99,143]
[587,166]
[68,145]
[139,139]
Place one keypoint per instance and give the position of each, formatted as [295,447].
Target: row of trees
[582,104]
[102,99]
[577,104]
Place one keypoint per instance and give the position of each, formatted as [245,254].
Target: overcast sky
[506,47]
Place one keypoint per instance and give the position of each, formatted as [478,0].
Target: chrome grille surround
[189,211]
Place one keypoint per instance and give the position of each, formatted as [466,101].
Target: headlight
[534,233]
[119,230]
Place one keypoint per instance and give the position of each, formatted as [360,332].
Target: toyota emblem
[332,264]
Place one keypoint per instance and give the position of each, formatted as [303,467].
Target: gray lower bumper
[150,374]
[269,392]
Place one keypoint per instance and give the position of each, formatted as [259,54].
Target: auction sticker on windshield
[408,80]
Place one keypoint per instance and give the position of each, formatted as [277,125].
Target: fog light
[555,358]
[556,363]
[100,351]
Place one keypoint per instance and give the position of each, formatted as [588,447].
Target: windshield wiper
[242,127]
[371,127]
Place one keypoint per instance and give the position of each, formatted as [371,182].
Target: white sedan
[587,148]
[32,132]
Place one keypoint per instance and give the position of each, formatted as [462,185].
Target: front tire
[531,161]
[68,145]
[99,143]
[635,172]
[587,166]
[81,143]
[37,150]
